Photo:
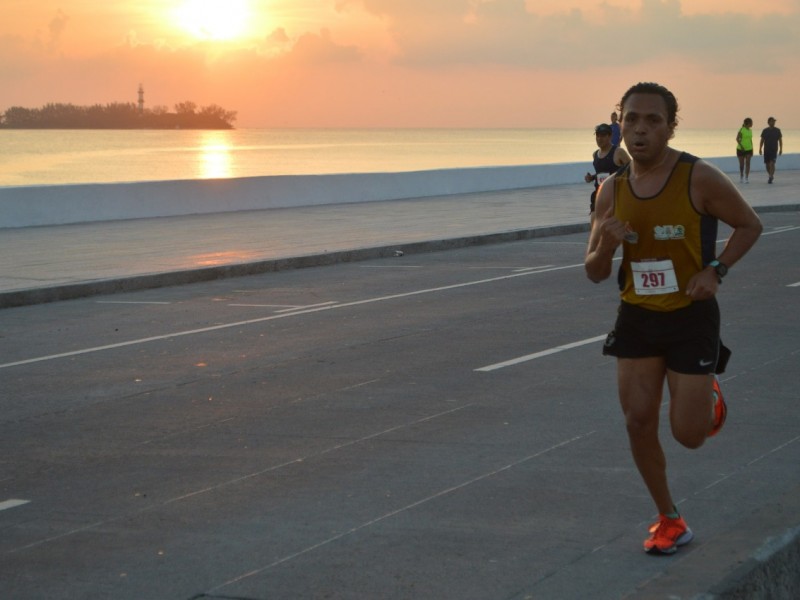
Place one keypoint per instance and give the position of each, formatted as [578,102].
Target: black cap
[603,128]
[772,119]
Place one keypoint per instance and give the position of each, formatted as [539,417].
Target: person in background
[744,149]
[663,209]
[771,146]
[616,135]
[607,159]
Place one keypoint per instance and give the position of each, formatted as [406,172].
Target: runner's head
[652,88]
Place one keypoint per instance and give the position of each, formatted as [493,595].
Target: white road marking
[515,269]
[246,477]
[289,306]
[358,385]
[527,357]
[741,468]
[329,303]
[176,334]
[523,269]
[283,307]
[127,302]
[780,230]
[12,503]
[398,511]
[783,230]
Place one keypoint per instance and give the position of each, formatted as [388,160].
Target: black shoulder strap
[688,158]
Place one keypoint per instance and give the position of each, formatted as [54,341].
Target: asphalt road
[437,426]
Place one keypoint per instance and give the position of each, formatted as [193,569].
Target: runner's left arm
[714,194]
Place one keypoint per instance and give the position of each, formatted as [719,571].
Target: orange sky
[408,63]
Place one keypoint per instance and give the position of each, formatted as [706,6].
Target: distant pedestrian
[607,159]
[771,147]
[616,135]
[744,149]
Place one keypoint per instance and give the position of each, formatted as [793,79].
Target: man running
[663,209]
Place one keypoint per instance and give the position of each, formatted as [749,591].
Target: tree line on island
[118,115]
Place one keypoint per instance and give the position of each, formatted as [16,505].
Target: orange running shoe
[667,534]
[720,408]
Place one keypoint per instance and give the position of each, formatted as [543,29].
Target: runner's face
[645,127]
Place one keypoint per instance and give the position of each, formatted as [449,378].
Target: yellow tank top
[746,142]
[668,243]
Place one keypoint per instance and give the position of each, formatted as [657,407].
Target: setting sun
[214,19]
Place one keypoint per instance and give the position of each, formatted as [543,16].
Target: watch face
[721,270]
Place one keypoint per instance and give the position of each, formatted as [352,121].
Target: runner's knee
[691,437]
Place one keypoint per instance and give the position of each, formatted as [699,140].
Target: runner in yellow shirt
[663,209]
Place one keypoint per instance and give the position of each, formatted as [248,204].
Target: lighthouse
[141,99]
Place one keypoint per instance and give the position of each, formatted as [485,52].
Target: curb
[72,291]
[147,281]
[756,558]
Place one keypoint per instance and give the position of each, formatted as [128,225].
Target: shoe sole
[718,423]
[722,418]
[686,537]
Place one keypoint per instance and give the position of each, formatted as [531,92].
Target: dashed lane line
[273,317]
[128,302]
[403,509]
[13,503]
[289,462]
[535,355]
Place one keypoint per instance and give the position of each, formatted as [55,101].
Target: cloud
[56,27]
[419,62]
[313,48]
[238,78]
[508,32]
[278,37]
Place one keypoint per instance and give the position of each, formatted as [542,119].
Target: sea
[56,157]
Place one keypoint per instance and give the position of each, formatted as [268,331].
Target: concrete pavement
[73,261]
[45,264]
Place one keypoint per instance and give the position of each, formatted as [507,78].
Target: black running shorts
[687,338]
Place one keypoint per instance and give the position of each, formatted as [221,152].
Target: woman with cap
[607,159]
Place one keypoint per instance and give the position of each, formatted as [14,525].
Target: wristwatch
[720,269]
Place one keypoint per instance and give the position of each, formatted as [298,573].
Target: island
[118,115]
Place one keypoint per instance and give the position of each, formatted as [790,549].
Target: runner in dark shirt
[607,159]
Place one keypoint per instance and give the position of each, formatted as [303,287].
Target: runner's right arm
[606,235]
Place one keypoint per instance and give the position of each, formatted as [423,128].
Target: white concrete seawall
[31,206]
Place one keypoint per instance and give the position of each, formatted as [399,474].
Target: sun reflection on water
[215,155]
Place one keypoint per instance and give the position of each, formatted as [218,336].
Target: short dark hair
[603,129]
[652,88]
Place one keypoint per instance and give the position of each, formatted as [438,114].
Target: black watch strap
[720,268]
